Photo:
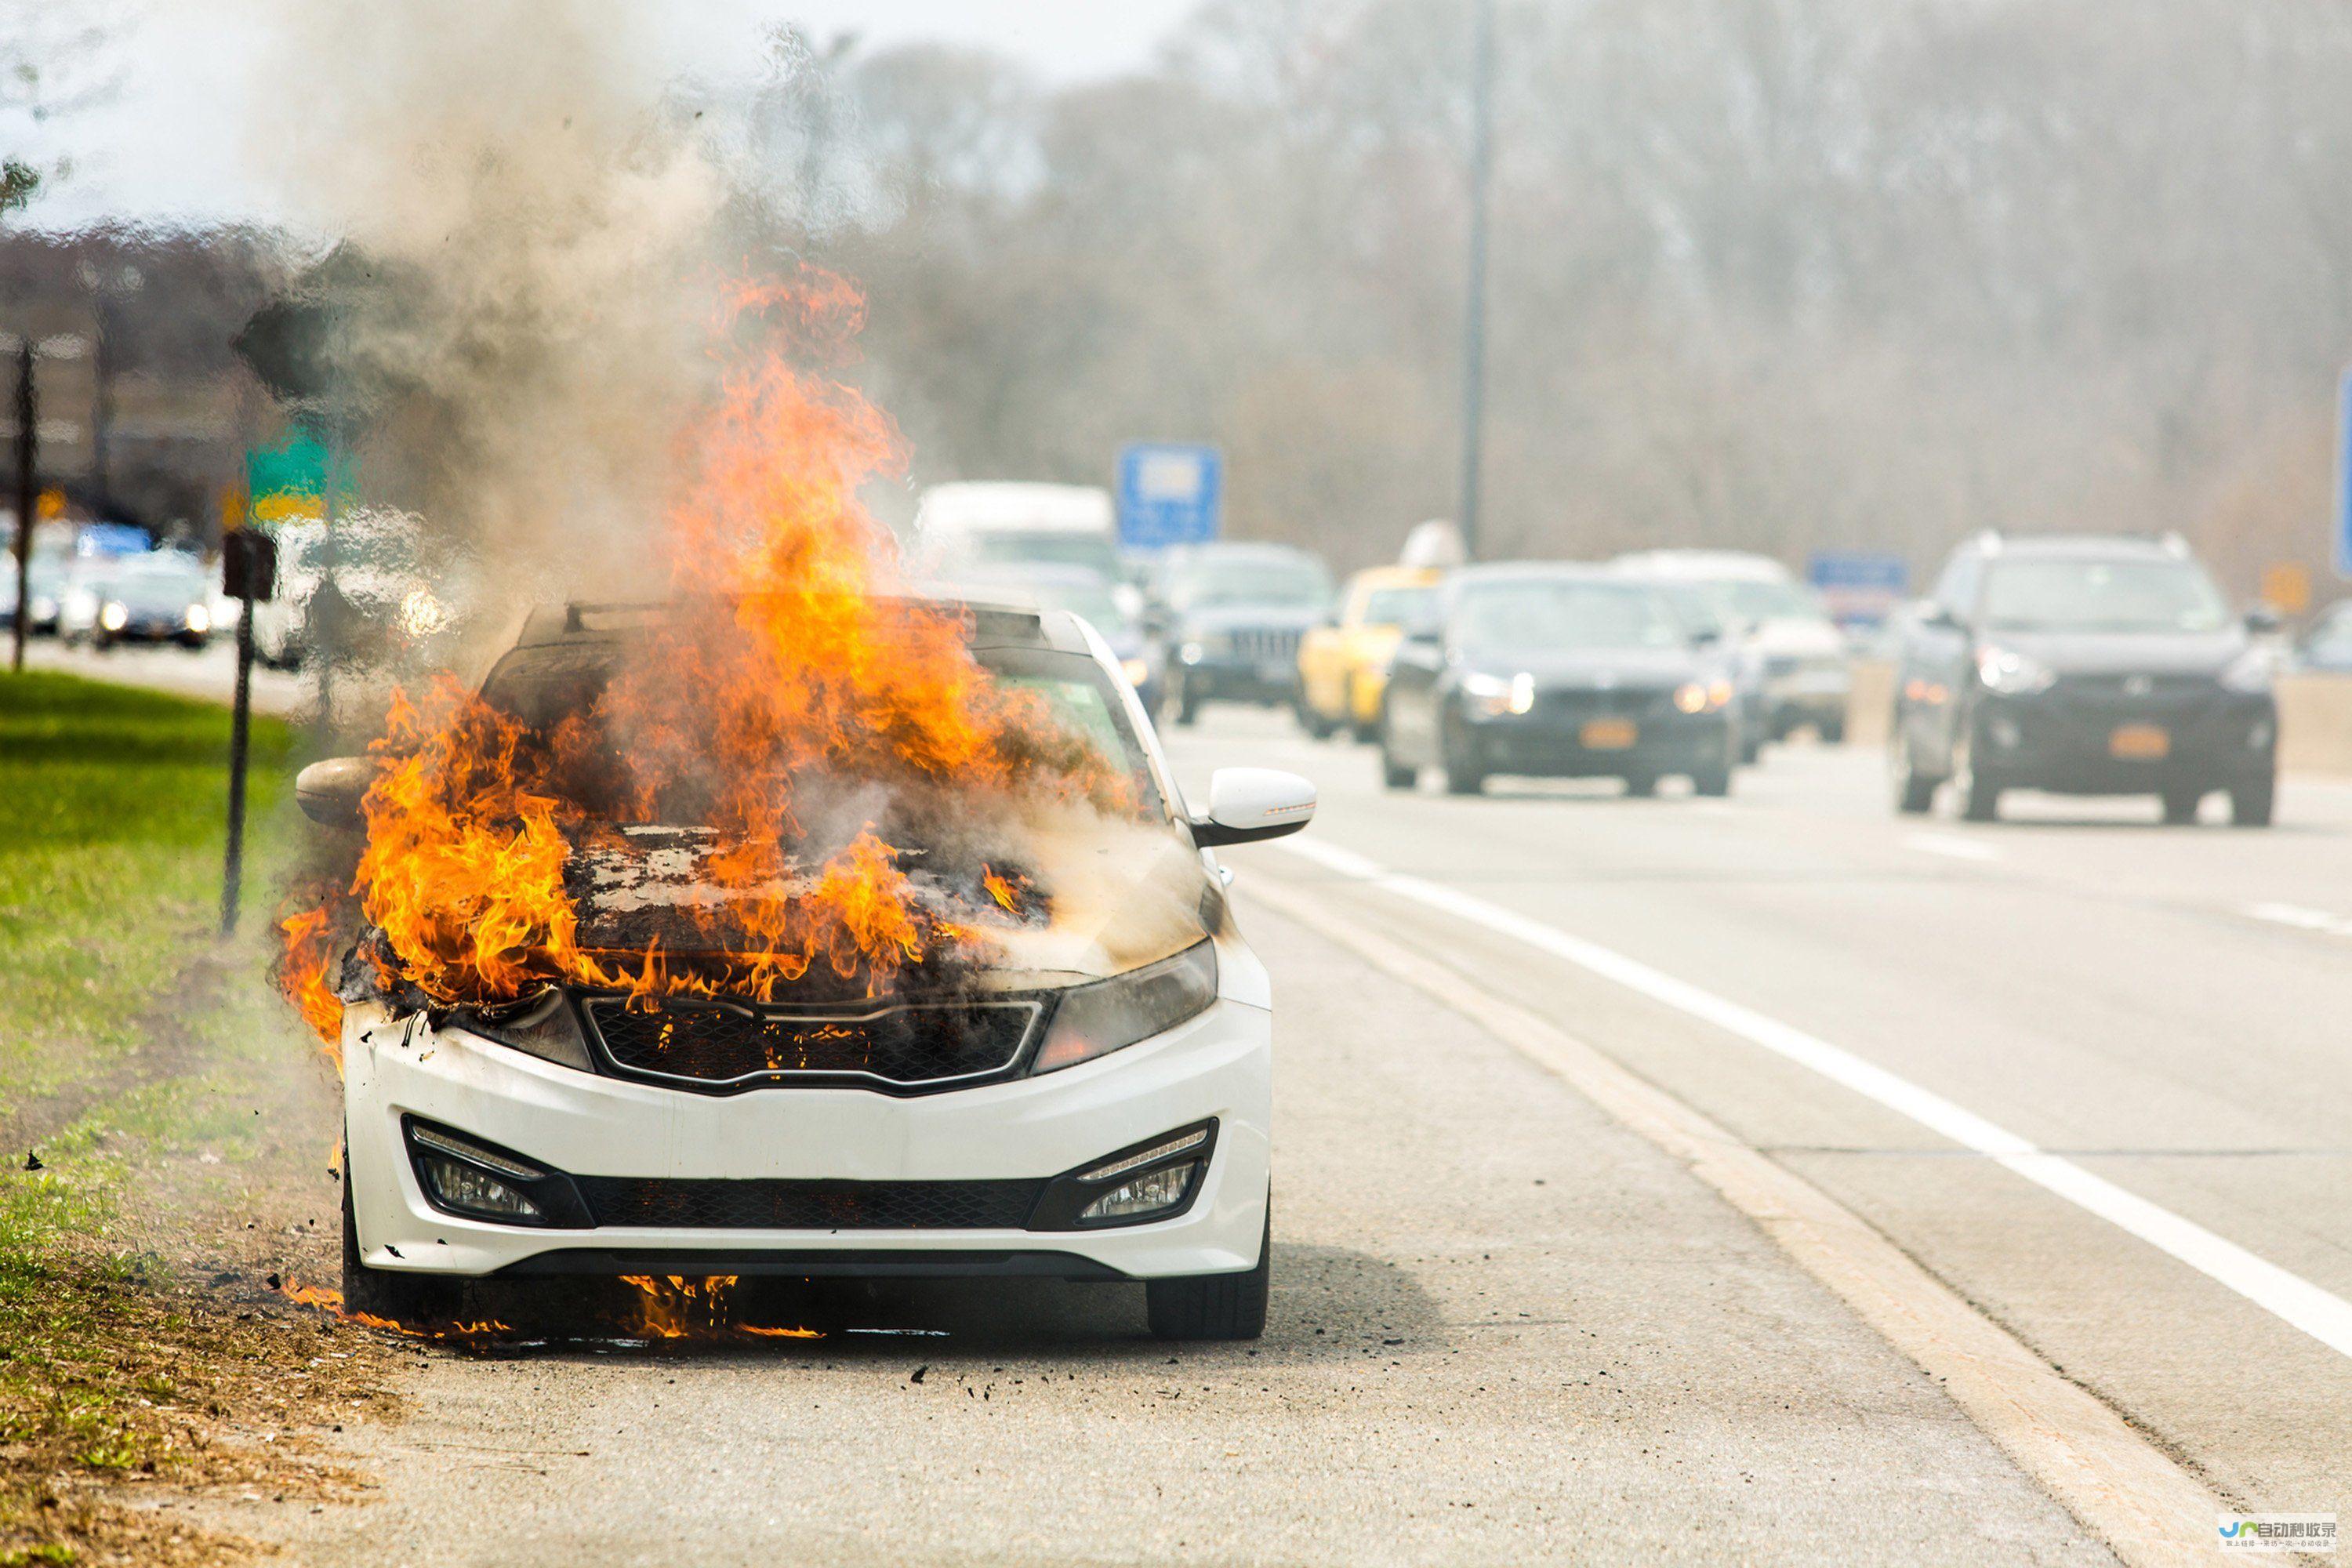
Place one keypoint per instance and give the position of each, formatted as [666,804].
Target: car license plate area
[1609,734]
[2140,742]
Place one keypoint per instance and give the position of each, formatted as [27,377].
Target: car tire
[1752,749]
[1832,731]
[2180,805]
[1714,781]
[2251,805]
[1641,785]
[1188,707]
[1365,734]
[1914,790]
[1980,797]
[1463,776]
[1393,774]
[1317,727]
[403,1297]
[1215,1306]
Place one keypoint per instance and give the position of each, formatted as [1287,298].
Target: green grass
[113,819]
[112,810]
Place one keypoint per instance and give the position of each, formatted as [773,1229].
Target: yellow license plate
[2140,742]
[1609,734]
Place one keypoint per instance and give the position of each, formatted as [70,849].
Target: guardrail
[2314,716]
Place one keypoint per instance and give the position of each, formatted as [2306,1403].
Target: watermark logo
[2278,1532]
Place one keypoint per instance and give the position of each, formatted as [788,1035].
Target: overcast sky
[169,143]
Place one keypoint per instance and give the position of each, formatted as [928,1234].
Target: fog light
[113,617]
[1145,1195]
[199,618]
[470,1190]
[1191,653]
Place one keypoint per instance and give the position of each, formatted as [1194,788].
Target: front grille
[729,1046]
[810,1205]
[1615,702]
[1263,645]
[2138,688]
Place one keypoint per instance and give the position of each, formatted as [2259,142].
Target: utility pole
[28,492]
[1473,307]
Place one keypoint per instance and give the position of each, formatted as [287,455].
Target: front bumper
[1215,1066]
[2069,745]
[1537,744]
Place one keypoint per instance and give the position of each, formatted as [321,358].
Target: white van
[959,528]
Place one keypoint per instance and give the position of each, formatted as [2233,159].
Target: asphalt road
[1508,1327]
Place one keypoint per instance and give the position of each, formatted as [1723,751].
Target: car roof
[2050,546]
[1522,571]
[985,504]
[1396,577]
[994,625]
[1702,563]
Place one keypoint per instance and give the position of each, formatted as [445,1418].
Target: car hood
[2112,653]
[1798,635]
[1231,618]
[1592,669]
[1120,895]
[156,598]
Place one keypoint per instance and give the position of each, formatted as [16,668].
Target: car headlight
[1703,696]
[1191,653]
[543,1026]
[199,619]
[1090,1021]
[1136,671]
[2012,673]
[2254,670]
[1493,696]
[43,607]
[113,617]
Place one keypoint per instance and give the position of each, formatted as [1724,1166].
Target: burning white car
[1067,1073]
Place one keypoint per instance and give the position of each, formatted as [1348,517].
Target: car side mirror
[1706,637]
[330,792]
[1939,617]
[2263,620]
[1247,805]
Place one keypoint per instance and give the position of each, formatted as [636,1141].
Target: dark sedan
[1232,617]
[1557,671]
[2088,664]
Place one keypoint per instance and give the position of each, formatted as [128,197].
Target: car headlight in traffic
[198,618]
[113,617]
[1191,653]
[543,1026]
[1703,696]
[1136,671]
[1090,1021]
[2012,673]
[2254,670]
[1493,696]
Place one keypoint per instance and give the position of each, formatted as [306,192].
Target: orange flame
[309,950]
[803,683]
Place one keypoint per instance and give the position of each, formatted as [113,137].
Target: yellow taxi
[1343,665]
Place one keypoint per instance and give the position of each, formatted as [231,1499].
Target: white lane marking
[2126,1492]
[2326,1317]
[2300,918]
[1952,847]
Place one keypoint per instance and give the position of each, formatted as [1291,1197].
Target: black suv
[2085,665]
[1232,617]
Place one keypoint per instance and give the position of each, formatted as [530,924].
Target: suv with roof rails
[2088,664]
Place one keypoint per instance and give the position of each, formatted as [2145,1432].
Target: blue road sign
[2344,478]
[1857,584]
[1169,494]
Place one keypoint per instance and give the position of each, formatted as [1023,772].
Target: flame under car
[1091,1100]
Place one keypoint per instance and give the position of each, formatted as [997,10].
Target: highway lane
[2124,994]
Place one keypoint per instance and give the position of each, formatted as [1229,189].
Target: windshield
[1746,601]
[1537,613]
[2102,596]
[1058,547]
[1251,580]
[543,685]
[1399,606]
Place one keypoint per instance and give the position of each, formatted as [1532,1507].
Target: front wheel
[1188,707]
[1914,792]
[1462,773]
[2180,805]
[1317,727]
[1215,1306]
[1714,782]
[2251,805]
[1980,797]
[1641,784]
[403,1297]
[1393,774]
[1832,731]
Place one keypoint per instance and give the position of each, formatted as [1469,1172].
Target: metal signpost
[2344,478]
[249,575]
[1169,494]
